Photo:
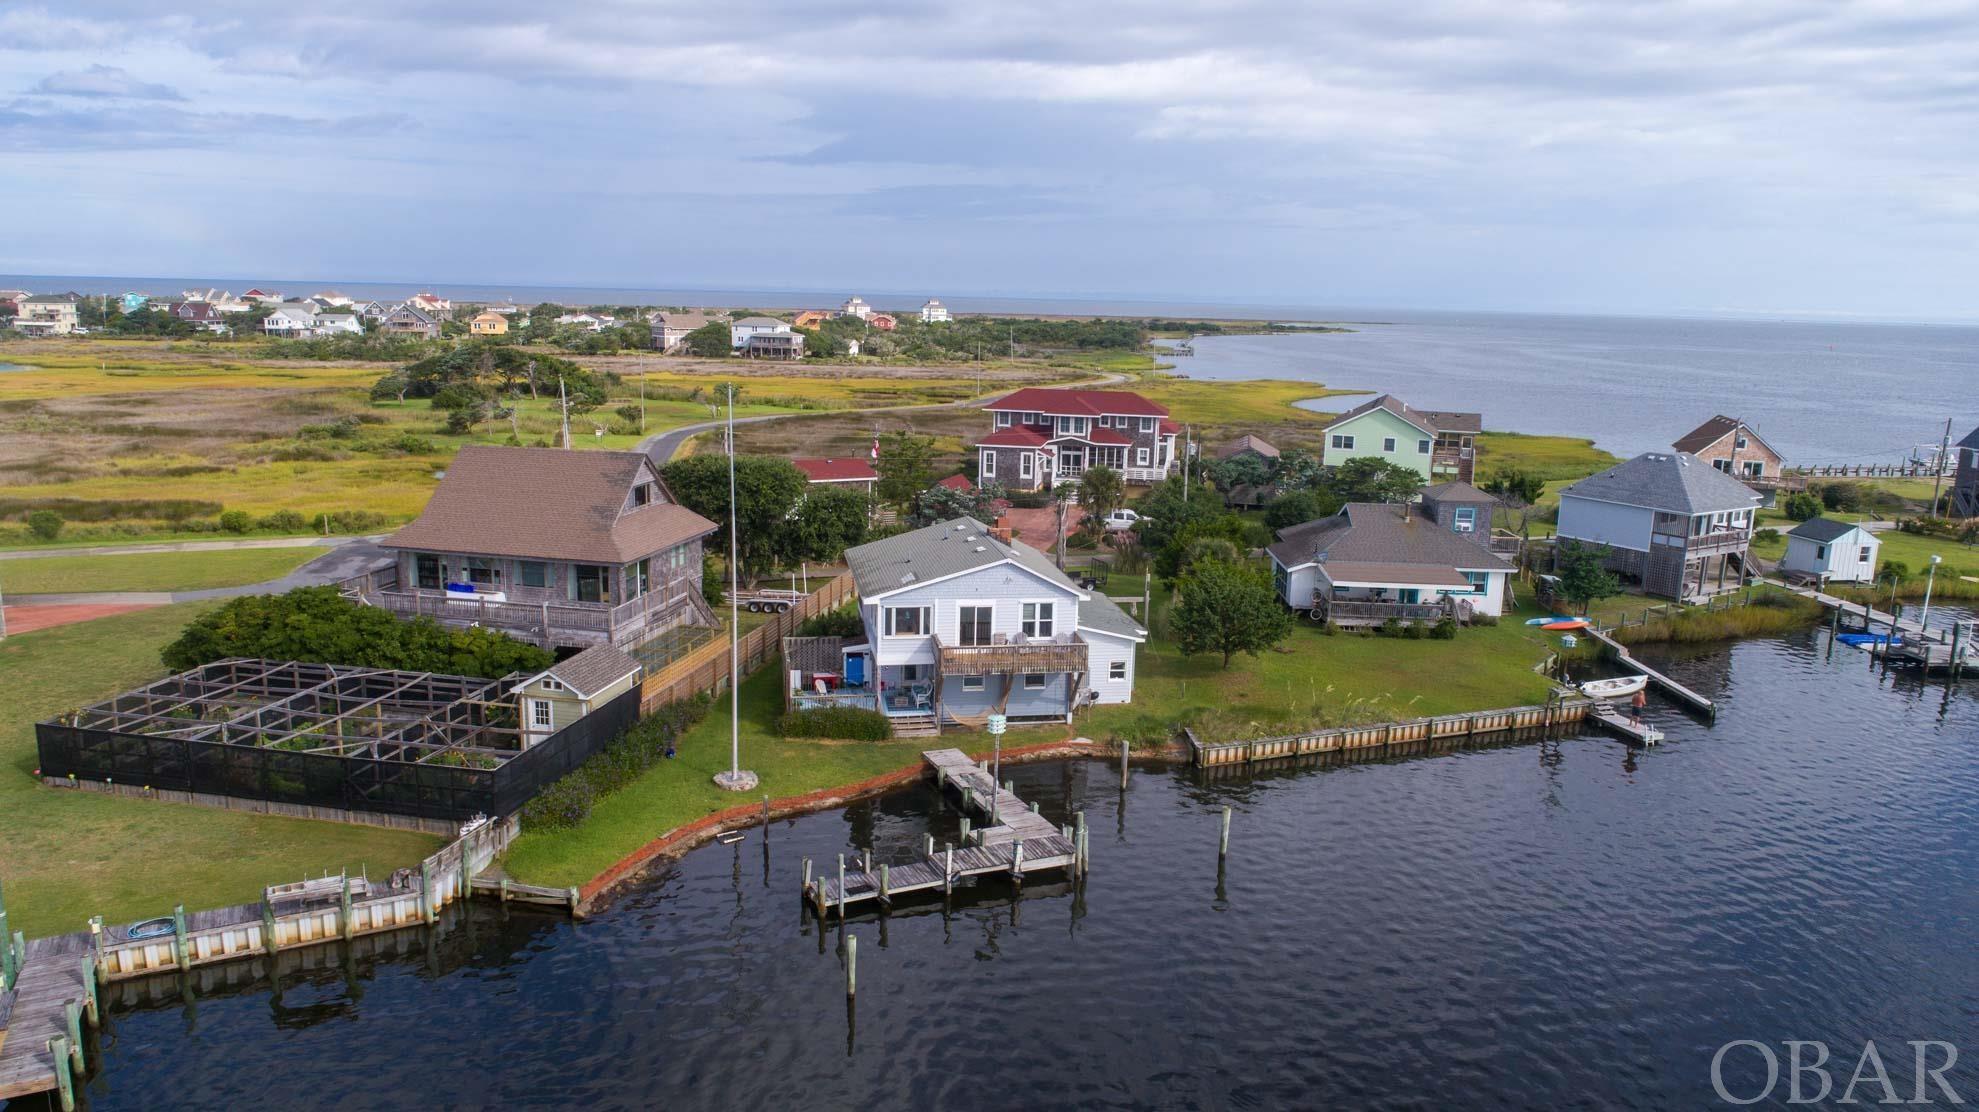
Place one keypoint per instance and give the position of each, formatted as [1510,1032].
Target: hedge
[851,723]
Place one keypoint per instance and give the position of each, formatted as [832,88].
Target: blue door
[855,670]
[1410,596]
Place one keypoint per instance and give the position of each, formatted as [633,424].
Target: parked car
[1121,519]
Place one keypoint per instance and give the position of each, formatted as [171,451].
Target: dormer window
[642,495]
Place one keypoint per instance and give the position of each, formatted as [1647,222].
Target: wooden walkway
[1618,723]
[1663,683]
[1017,842]
[41,1029]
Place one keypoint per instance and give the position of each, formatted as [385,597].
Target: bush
[1412,631]
[1390,628]
[631,415]
[284,521]
[1484,619]
[46,525]
[1802,506]
[842,622]
[356,521]
[850,723]
[413,444]
[236,521]
[1445,630]
[318,624]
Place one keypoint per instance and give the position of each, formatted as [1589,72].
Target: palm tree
[1061,497]
[1101,492]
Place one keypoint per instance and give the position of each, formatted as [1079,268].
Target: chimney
[1000,533]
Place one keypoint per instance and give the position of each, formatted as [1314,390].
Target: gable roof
[1971,440]
[1249,443]
[854,470]
[961,545]
[689,321]
[760,322]
[1078,403]
[1674,483]
[411,310]
[1822,530]
[1714,430]
[957,482]
[1455,491]
[1016,436]
[589,672]
[1431,421]
[1371,534]
[547,504]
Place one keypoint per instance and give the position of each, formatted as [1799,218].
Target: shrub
[624,759]
[413,444]
[1445,630]
[1412,631]
[46,525]
[285,521]
[356,521]
[236,521]
[1801,506]
[851,723]
[319,624]
[631,415]
[1484,619]
[1389,628]
[842,622]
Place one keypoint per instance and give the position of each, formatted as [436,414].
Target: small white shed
[1834,551]
[572,688]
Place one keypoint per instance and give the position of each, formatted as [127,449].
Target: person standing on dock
[1636,704]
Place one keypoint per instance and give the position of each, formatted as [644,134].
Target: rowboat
[1565,624]
[1617,688]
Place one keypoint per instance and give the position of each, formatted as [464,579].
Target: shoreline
[675,843]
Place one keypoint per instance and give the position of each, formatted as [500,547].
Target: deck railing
[588,621]
[1332,610]
[1065,653]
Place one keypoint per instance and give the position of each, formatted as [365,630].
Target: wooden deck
[1662,682]
[1017,843]
[52,994]
[1618,723]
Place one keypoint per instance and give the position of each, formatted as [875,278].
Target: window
[1724,465]
[1754,468]
[911,673]
[1147,424]
[1387,443]
[1141,456]
[1480,581]
[1003,419]
[480,569]
[642,495]
[1037,619]
[973,624]
[1465,520]
[636,580]
[1343,442]
[1034,681]
[972,683]
[427,569]
[534,573]
[590,583]
[1741,443]
[1117,670]
[1862,554]
[1026,465]
[1034,418]
[1820,552]
[551,683]
[908,621]
[1422,446]
[539,712]
[989,465]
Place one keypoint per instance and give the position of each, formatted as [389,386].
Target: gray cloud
[104,82]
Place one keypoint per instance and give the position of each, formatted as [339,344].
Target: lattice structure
[371,713]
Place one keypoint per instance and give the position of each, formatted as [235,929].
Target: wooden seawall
[1210,754]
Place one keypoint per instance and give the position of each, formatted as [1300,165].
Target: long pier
[1663,683]
[1013,840]
[52,994]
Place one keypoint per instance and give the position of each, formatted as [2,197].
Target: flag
[876,446]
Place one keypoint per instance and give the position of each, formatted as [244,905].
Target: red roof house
[839,471]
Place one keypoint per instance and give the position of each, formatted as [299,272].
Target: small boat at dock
[1618,688]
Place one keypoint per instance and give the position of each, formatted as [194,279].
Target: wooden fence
[706,667]
[1912,470]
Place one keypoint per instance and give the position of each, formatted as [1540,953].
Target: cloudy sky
[1751,156]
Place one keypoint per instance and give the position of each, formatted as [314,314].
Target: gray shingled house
[1374,561]
[563,548]
[1673,522]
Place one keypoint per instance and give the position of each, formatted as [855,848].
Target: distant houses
[411,320]
[1373,562]
[855,307]
[784,344]
[488,323]
[1672,522]
[740,331]
[934,312]
[1043,436]
[1439,445]
[47,315]
[852,473]
[1737,449]
[670,329]
[290,320]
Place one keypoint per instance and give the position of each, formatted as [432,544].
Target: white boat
[1617,688]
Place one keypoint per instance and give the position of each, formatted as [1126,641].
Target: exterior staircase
[915,725]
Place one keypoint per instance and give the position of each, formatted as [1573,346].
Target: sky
[1748,157]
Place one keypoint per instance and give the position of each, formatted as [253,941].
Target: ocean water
[1819,393]
[1564,923]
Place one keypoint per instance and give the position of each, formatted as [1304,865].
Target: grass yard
[1553,458]
[682,790]
[72,854]
[152,571]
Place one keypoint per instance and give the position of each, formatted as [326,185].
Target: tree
[1232,536]
[711,341]
[1801,506]
[1242,469]
[766,492]
[828,521]
[318,624]
[1583,572]
[1299,470]
[1299,506]
[1227,608]
[941,503]
[1101,491]
[1518,491]
[1367,479]
[1166,511]
[46,525]
[906,466]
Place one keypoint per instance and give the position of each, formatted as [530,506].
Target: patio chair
[999,638]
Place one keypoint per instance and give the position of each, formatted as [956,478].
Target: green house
[1441,446]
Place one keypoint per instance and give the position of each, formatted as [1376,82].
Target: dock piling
[948,871]
[841,888]
[851,965]
[7,970]
[92,1008]
[1223,840]
[72,1011]
[1123,764]
[343,914]
[886,887]
[179,938]
[65,1084]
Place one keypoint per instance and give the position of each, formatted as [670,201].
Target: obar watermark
[1811,1074]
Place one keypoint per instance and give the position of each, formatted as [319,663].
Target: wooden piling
[268,940]
[7,970]
[72,1011]
[92,1007]
[851,965]
[1123,764]
[948,871]
[1223,840]
[179,938]
[965,830]
[807,874]
[504,896]
[65,1085]
[841,888]
[426,909]
[886,885]
[344,915]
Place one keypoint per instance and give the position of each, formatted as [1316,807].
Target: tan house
[1736,448]
[567,549]
[488,324]
[49,314]
[572,688]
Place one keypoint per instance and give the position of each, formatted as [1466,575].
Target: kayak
[1566,624]
[1543,621]
[1615,688]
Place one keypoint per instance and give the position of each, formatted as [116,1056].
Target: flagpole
[735,779]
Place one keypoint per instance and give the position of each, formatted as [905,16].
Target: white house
[1675,523]
[740,331]
[1832,551]
[856,307]
[291,318]
[590,322]
[934,312]
[962,622]
[331,324]
[1374,561]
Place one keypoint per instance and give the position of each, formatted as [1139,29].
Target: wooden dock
[1210,754]
[1923,647]
[1013,840]
[1662,682]
[1617,723]
[41,1020]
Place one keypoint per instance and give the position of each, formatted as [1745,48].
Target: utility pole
[1938,478]
[1186,433]
[563,404]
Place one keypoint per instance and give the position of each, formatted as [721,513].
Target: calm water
[1560,923]
[1820,393]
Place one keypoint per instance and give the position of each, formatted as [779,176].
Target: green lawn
[682,790]
[152,571]
[1549,457]
[72,854]
[1313,679]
